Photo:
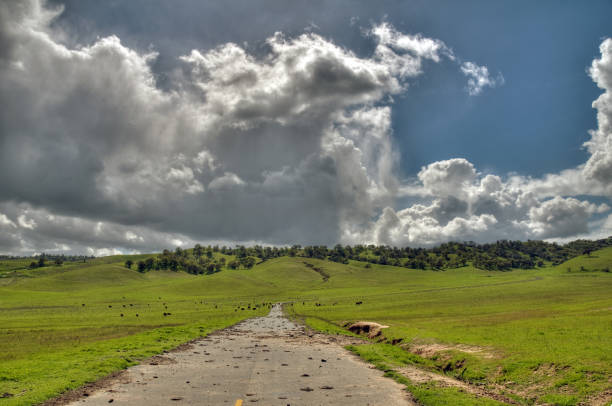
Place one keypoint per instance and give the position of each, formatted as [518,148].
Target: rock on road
[265,361]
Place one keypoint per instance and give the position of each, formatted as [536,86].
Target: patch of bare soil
[369,328]
[418,375]
[161,360]
[601,399]
[428,350]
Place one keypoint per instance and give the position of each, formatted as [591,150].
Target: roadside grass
[44,374]
[386,356]
[75,325]
[542,334]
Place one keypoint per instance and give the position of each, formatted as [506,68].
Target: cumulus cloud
[228,180]
[419,226]
[59,233]
[559,217]
[24,222]
[599,165]
[6,222]
[405,53]
[292,145]
[184,177]
[479,78]
[467,205]
[447,178]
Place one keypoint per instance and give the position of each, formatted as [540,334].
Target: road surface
[261,361]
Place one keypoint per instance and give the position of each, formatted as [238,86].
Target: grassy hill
[542,335]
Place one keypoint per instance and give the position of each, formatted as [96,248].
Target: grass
[543,334]
[65,327]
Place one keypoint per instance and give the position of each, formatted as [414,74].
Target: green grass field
[539,336]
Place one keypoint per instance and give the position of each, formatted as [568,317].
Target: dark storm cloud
[87,134]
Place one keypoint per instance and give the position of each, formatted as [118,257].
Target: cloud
[479,78]
[103,252]
[599,165]
[405,53]
[467,205]
[6,222]
[289,144]
[292,145]
[228,180]
[24,222]
[130,236]
[204,160]
[559,217]
[448,177]
[47,232]
[415,226]
[184,176]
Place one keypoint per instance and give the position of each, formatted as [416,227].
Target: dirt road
[265,361]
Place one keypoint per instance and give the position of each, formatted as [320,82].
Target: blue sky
[132,126]
[537,122]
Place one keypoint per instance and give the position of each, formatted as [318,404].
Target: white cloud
[131,236]
[409,227]
[176,242]
[103,252]
[561,217]
[54,233]
[450,177]
[599,165]
[228,180]
[204,160]
[5,221]
[404,53]
[467,205]
[184,176]
[24,222]
[479,78]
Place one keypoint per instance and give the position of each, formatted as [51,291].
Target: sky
[133,126]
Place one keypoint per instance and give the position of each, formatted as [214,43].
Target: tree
[141,266]
[41,261]
[58,261]
[149,263]
[129,263]
[247,262]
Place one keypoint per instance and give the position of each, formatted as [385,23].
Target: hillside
[61,326]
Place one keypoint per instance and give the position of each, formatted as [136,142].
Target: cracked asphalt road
[265,361]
